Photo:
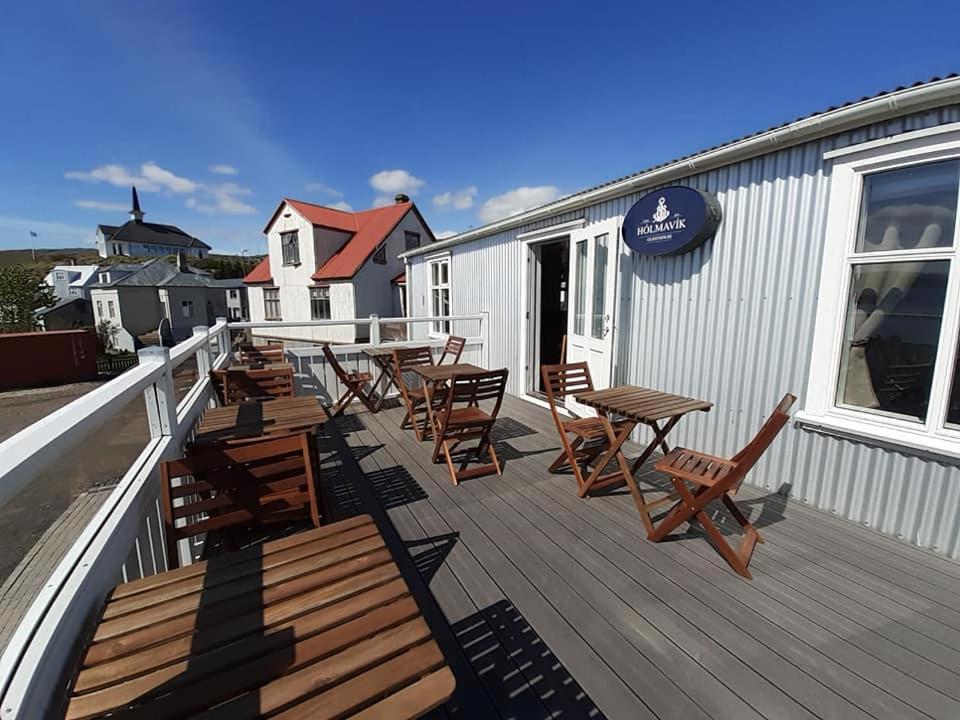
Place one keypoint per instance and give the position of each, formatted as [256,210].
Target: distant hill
[222,266]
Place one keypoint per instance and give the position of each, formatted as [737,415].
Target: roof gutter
[884,107]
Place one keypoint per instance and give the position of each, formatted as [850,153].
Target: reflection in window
[909,209]
[599,285]
[890,336]
[580,278]
[440,294]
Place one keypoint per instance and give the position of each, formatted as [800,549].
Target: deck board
[838,622]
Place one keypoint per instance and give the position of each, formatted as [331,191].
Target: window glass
[290,247]
[890,336]
[110,309]
[380,256]
[580,274]
[411,240]
[271,304]
[187,307]
[599,286]
[320,303]
[440,294]
[909,208]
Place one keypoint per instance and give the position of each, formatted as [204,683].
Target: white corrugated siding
[732,322]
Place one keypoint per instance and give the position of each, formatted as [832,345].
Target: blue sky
[217,110]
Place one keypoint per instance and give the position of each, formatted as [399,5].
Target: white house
[71,281]
[136,238]
[136,299]
[327,264]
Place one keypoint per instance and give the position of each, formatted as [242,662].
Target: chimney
[136,214]
[182,262]
[400,198]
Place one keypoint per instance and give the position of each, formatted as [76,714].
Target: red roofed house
[331,264]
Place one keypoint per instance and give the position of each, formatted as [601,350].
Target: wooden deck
[550,606]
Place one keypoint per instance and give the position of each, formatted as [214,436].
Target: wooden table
[433,374]
[256,418]
[315,625]
[636,405]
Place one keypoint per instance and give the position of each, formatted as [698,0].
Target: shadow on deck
[546,605]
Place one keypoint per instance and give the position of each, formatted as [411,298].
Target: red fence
[47,358]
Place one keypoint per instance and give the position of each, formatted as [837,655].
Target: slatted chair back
[261,354]
[232,486]
[259,384]
[353,382]
[334,363]
[453,349]
[474,388]
[562,380]
[749,455]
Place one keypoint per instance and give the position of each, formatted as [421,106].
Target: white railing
[124,540]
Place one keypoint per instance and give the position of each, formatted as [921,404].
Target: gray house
[137,238]
[834,275]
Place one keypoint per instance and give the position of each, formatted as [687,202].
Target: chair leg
[450,467]
[343,402]
[565,457]
[734,559]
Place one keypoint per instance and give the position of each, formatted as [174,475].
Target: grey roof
[228,283]
[108,230]
[153,234]
[57,305]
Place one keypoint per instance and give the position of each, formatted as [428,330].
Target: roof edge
[830,122]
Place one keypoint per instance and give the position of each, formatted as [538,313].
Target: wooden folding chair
[414,396]
[453,348]
[461,419]
[227,487]
[718,479]
[354,382]
[583,439]
[260,354]
[263,384]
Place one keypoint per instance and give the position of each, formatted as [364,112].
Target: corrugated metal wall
[732,322]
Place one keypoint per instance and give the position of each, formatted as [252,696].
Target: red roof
[400,279]
[373,226]
[261,273]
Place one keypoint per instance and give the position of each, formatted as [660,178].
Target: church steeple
[136,214]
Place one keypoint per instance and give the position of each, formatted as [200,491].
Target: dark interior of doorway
[554,264]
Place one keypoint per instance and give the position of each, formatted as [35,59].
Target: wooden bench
[261,383]
[260,354]
[316,625]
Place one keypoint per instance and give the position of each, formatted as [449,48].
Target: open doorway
[547,308]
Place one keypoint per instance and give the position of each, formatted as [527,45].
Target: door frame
[527,240]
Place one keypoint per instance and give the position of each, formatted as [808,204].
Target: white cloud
[223,199]
[222,169]
[444,234]
[383,201]
[342,205]
[318,187]
[457,199]
[152,178]
[517,201]
[389,182]
[98,205]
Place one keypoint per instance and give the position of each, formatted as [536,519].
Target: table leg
[385,371]
[613,451]
[658,439]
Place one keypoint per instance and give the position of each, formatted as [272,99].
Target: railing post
[485,338]
[223,337]
[160,397]
[374,329]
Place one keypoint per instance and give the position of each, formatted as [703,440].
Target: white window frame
[821,411]
[266,304]
[313,315]
[439,328]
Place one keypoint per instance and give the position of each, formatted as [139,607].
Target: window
[598,326]
[380,254]
[186,306]
[104,277]
[74,292]
[290,247]
[111,310]
[320,303]
[440,294]
[580,280]
[411,240]
[235,313]
[100,309]
[271,304]
[233,294]
[59,275]
[885,357]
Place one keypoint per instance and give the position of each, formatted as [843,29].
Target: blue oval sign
[671,221]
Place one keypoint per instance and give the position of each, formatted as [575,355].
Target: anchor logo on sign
[661,213]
